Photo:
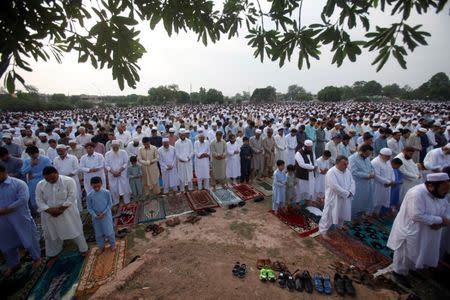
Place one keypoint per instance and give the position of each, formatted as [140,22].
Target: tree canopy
[105,33]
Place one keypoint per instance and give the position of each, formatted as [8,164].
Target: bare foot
[37,263]
[10,271]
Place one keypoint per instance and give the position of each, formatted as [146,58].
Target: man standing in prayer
[184,151]
[167,162]
[76,149]
[13,149]
[56,200]
[201,162]
[17,227]
[291,144]
[218,153]
[280,146]
[116,163]
[133,147]
[437,159]
[410,171]
[394,142]
[233,168]
[333,147]
[383,181]
[67,165]
[305,165]
[12,164]
[148,157]
[172,137]
[83,138]
[92,164]
[416,233]
[320,139]
[258,154]
[339,191]
[269,153]
[363,173]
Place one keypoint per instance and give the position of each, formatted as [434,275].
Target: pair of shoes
[154,228]
[303,282]
[279,266]
[261,263]
[231,206]
[121,233]
[267,274]
[239,270]
[192,219]
[323,283]
[286,279]
[343,285]
[173,222]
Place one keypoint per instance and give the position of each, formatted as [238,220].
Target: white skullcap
[182,131]
[7,136]
[258,131]
[395,131]
[43,134]
[115,142]
[424,130]
[415,122]
[145,122]
[61,146]
[72,141]
[165,140]
[383,125]
[154,128]
[386,151]
[136,139]
[437,124]
[201,134]
[171,129]
[434,177]
[308,143]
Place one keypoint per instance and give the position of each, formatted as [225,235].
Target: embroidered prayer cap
[43,134]
[115,142]
[171,129]
[308,143]
[386,151]
[61,146]
[435,177]
[165,140]
[258,131]
[136,139]
[424,130]
[182,131]
[154,129]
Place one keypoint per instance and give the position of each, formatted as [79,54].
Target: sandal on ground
[260,263]
[299,283]
[173,222]
[339,284]
[282,280]
[202,212]
[150,227]
[327,284]
[318,282]
[349,289]
[210,210]
[231,206]
[271,275]
[236,267]
[242,203]
[158,231]
[290,282]
[242,271]
[308,282]
[263,276]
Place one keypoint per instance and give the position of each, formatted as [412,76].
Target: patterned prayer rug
[60,280]
[99,269]
[263,187]
[246,192]
[175,205]
[126,215]
[19,285]
[301,224]
[151,210]
[354,251]
[225,197]
[371,234]
[201,199]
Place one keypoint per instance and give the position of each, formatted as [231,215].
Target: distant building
[93,98]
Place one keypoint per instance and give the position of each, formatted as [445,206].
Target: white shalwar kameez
[69,167]
[280,148]
[415,244]
[68,224]
[202,164]
[233,161]
[436,159]
[291,144]
[168,159]
[339,191]
[184,151]
[120,185]
[94,161]
[319,188]
[384,174]
[411,175]
[305,188]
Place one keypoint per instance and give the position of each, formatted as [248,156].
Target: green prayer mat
[225,197]
[151,210]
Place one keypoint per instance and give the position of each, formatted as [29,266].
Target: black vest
[300,172]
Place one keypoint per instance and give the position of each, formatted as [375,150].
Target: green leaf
[10,85]
[155,20]
[83,58]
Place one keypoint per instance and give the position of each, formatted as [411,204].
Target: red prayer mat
[354,251]
[126,215]
[246,192]
[201,199]
[301,224]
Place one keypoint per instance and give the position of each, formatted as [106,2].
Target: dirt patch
[245,230]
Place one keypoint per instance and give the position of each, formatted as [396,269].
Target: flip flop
[236,267]
[242,271]
[327,284]
[339,284]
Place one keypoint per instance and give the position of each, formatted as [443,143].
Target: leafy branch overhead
[104,32]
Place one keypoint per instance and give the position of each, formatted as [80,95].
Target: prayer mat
[99,269]
[354,251]
[201,199]
[176,205]
[61,279]
[126,215]
[263,187]
[309,214]
[246,192]
[19,285]
[225,197]
[151,210]
[371,234]
[301,224]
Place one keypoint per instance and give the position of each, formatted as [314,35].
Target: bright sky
[229,65]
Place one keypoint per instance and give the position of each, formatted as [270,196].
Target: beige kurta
[269,155]
[149,158]
[218,165]
[414,141]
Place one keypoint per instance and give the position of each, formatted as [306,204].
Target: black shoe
[259,199]
[299,283]
[290,282]
[242,203]
[231,206]
[308,282]
[349,289]
[339,284]
[282,280]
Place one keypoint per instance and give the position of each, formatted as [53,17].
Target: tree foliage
[330,94]
[267,94]
[104,32]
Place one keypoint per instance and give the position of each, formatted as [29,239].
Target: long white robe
[411,175]
[436,159]
[201,164]
[291,144]
[334,150]
[168,158]
[280,148]
[338,202]
[395,146]
[94,161]
[319,188]
[62,193]
[415,244]
[233,162]
[305,188]
[69,167]
[184,151]
[133,150]
[120,185]
[383,174]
